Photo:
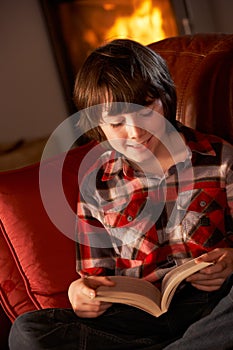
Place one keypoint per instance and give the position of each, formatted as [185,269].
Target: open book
[143,294]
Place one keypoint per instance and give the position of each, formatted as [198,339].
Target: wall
[204,15]
[31,95]
[222,11]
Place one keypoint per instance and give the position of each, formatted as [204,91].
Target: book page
[132,291]
[174,277]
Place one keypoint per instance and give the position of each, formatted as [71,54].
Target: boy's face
[136,135]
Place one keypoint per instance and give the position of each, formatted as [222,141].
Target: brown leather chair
[202,68]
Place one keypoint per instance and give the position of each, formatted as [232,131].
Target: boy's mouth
[140,145]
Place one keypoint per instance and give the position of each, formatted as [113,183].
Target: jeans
[214,332]
[121,327]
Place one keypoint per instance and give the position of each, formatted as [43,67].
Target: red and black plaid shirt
[141,225]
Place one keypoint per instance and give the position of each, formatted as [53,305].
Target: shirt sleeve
[94,251]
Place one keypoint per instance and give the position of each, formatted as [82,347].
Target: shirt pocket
[203,219]
[128,213]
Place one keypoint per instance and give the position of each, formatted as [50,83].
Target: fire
[144,25]
[86,25]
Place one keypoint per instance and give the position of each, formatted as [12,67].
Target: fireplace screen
[79,26]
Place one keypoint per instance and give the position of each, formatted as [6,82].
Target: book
[144,295]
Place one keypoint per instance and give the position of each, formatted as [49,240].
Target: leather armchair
[202,68]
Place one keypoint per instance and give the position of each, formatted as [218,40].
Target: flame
[145,21]
[144,25]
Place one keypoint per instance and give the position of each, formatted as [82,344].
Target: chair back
[202,68]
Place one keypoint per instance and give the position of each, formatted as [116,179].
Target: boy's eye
[116,125]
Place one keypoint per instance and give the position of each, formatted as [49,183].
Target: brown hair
[123,71]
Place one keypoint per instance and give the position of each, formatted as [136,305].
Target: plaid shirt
[141,225]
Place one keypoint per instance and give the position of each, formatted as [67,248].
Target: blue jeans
[120,328]
[214,331]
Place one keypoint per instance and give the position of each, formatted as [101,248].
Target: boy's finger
[89,292]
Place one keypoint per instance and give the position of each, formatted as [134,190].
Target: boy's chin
[141,162]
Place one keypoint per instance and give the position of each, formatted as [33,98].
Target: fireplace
[79,26]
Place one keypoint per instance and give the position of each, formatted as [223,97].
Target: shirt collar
[196,141]
[117,163]
[112,167]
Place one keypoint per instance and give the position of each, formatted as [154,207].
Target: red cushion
[13,294]
[37,261]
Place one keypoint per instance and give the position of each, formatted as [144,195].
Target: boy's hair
[123,71]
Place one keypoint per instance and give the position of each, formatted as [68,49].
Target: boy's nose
[134,132]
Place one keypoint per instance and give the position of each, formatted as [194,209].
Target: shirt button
[202,203]
[129,218]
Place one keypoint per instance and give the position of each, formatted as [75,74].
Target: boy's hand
[212,277]
[82,296]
